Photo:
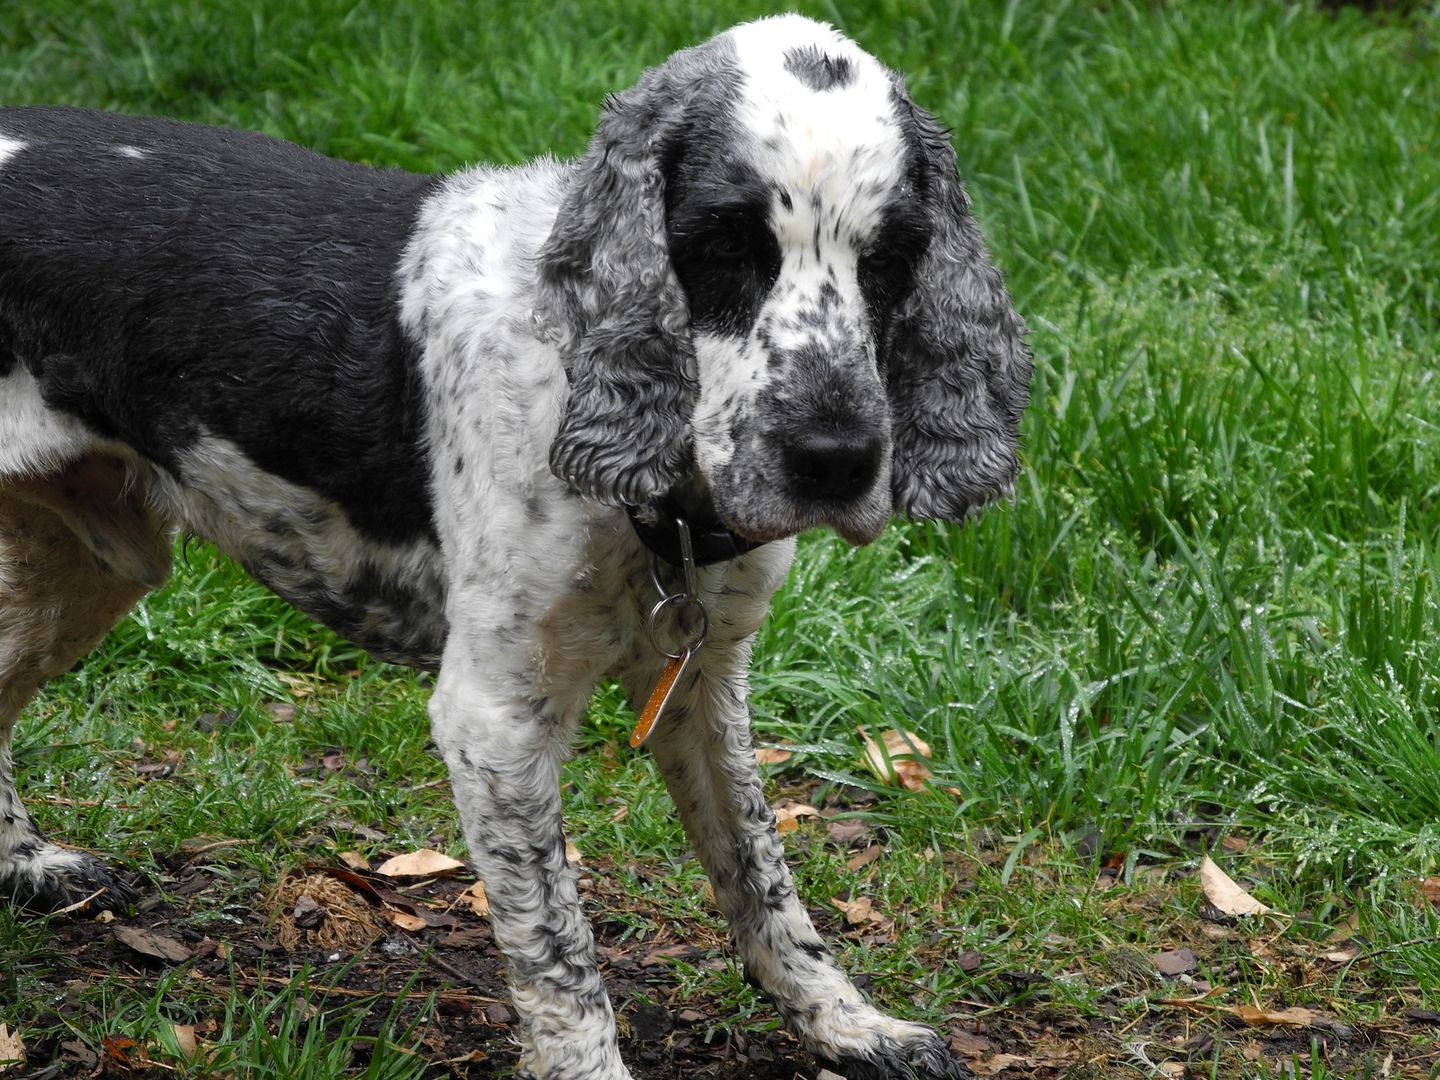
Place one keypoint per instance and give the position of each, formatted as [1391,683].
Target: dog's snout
[833,467]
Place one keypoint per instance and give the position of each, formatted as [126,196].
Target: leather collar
[654,524]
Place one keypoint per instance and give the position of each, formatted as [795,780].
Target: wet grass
[1211,610]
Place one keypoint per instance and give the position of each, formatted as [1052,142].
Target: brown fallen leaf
[354,860]
[788,813]
[124,1051]
[375,890]
[895,759]
[1430,889]
[865,858]
[998,1063]
[404,920]
[1176,962]
[12,1050]
[475,899]
[1255,1016]
[860,912]
[1294,1016]
[772,755]
[1228,897]
[425,862]
[186,1041]
[856,911]
[848,832]
[969,960]
[157,770]
[968,1043]
[153,944]
[1342,953]
[572,854]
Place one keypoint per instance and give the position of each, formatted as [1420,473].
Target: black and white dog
[451,416]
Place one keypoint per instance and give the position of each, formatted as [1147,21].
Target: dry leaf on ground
[894,760]
[1430,889]
[1342,954]
[848,832]
[1295,1016]
[856,911]
[969,1043]
[865,858]
[426,862]
[12,1050]
[1255,1016]
[788,813]
[1176,962]
[186,1041]
[772,755]
[155,945]
[475,899]
[860,912]
[1221,890]
[404,920]
[124,1051]
[993,1066]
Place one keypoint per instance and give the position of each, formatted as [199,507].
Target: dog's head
[770,286]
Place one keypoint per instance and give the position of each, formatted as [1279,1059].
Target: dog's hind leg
[77,549]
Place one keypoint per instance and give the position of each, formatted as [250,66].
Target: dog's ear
[958,368]
[606,279]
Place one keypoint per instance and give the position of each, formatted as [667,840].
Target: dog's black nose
[832,467]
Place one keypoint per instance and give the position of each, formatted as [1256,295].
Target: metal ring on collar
[681,600]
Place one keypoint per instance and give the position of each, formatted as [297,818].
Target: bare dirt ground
[424,941]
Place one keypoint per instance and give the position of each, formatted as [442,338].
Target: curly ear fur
[605,275]
[959,370]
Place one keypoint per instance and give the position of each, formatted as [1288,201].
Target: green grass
[1211,609]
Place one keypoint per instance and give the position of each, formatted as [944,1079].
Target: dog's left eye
[730,247]
[887,274]
[886,260]
[885,263]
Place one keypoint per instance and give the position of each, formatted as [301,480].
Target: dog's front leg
[503,744]
[704,748]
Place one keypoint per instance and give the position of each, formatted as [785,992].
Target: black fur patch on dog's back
[163,280]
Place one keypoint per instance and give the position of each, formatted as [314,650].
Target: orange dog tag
[659,697]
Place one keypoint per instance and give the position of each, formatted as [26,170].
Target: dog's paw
[46,878]
[922,1058]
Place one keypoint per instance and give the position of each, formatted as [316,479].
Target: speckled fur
[759,289]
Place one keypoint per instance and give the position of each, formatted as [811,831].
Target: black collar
[713,543]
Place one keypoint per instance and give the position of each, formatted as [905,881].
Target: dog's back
[160,281]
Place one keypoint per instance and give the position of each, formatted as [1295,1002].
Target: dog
[473,423]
